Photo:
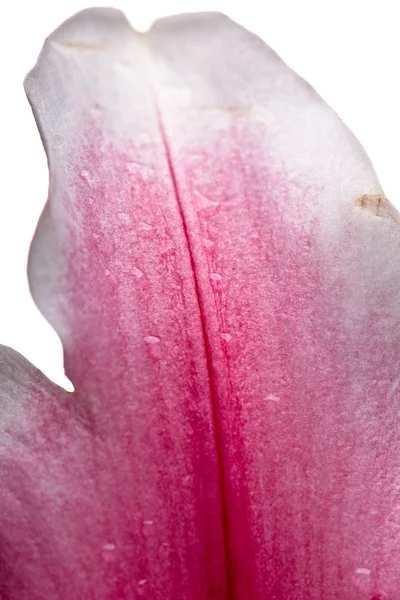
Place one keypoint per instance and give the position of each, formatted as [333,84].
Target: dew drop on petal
[136,167]
[203,202]
[152,339]
[108,552]
[124,218]
[87,176]
[141,587]
[109,546]
[215,276]
[362,581]
[137,272]
[363,571]
[226,336]
[147,528]
[208,243]
[142,226]
[273,397]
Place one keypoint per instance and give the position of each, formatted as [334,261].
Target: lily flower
[222,267]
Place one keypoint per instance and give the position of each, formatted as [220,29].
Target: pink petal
[219,260]
[307,247]
[110,269]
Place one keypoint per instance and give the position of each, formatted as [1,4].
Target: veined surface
[221,264]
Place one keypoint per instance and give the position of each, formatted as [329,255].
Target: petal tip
[90,29]
[190,19]
[101,19]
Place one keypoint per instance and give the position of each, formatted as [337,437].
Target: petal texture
[221,264]
[302,321]
[110,268]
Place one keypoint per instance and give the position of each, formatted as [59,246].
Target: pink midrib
[208,357]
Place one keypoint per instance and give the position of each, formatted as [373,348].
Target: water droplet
[136,167]
[307,245]
[124,218]
[203,202]
[141,587]
[109,546]
[87,176]
[104,244]
[152,339]
[147,528]
[215,276]
[107,272]
[137,272]
[108,552]
[273,397]
[363,571]
[142,226]
[226,336]
[208,243]
[363,582]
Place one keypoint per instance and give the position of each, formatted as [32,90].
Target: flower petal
[110,269]
[42,441]
[303,320]
[219,260]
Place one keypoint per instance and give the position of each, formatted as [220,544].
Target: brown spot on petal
[379,206]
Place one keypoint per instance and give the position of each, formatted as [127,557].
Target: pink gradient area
[119,488]
[233,430]
[301,423]
[137,351]
[303,342]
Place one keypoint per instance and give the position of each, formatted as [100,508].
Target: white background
[348,50]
